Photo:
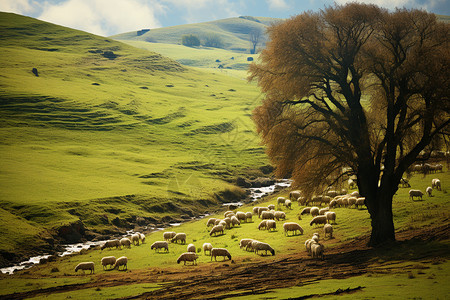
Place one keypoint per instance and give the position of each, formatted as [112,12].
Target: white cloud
[277,4]
[392,4]
[20,6]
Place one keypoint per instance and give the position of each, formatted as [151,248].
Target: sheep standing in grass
[301,200]
[261,210]
[179,237]
[240,216]
[259,246]
[429,190]
[207,247]
[256,210]
[220,252]
[292,226]
[248,217]
[415,193]
[331,217]
[294,195]
[318,220]
[360,202]
[85,266]
[227,221]
[191,248]
[211,222]
[281,201]
[436,184]
[271,207]
[271,224]
[305,211]
[169,235]
[235,221]
[244,243]
[288,204]
[188,256]
[111,244]
[328,229]
[280,215]
[322,211]
[314,211]
[160,245]
[267,215]
[135,239]
[125,242]
[262,225]
[121,261]
[216,229]
[108,261]
[317,250]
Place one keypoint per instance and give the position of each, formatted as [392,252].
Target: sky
[109,17]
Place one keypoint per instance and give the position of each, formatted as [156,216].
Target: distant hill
[234,32]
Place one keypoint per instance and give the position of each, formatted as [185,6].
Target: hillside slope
[234,32]
[109,134]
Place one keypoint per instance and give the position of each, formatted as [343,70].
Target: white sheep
[436,184]
[317,250]
[292,226]
[248,216]
[429,191]
[85,266]
[220,252]
[331,216]
[217,221]
[355,194]
[191,248]
[314,211]
[262,225]
[305,211]
[216,229]
[245,243]
[228,214]
[308,245]
[160,245]
[240,216]
[267,215]
[279,215]
[360,202]
[125,242]
[207,247]
[211,222]
[333,203]
[227,220]
[108,260]
[235,221]
[301,200]
[256,210]
[318,220]
[294,195]
[322,211]
[142,237]
[121,261]
[179,237]
[415,193]
[328,229]
[223,224]
[261,209]
[315,237]
[169,235]
[188,256]
[135,239]
[281,200]
[288,204]
[271,224]
[111,244]
[260,246]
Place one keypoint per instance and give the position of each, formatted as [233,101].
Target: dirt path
[238,278]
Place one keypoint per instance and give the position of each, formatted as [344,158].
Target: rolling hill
[97,131]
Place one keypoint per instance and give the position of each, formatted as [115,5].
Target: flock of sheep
[269,218]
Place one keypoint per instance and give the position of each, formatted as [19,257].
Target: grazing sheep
[216,229]
[328,229]
[244,243]
[241,216]
[322,211]
[332,193]
[262,225]
[305,211]
[85,266]
[415,193]
[344,201]
[301,200]
[121,261]
[271,224]
[436,184]
[169,235]
[279,215]
[292,226]
[223,224]
[261,210]
[217,222]
[294,195]
[125,242]
[271,206]
[160,245]
[111,244]
[351,201]
[314,211]
[108,260]
[326,200]
[235,221]
[248,216]
[191,248]
[316,200]
[256,210]
[211,222]
[355,194]
[331,216]
[142,237]
[360,202]
[317,250]
[281,200]
[429,190]
[288,204]
[318,220]
[207,247]
[267,215]
[228,213]
[259,246]
[220,252]
[188,256]
[404,182]
[333,203]
[315,237]
[135,239]
[179,237]
[227,220]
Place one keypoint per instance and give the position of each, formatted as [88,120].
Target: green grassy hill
[234,32]
[107,133]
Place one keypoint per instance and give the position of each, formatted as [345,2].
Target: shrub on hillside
[190,40]
[213,40]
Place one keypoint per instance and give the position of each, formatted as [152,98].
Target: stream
[255,194]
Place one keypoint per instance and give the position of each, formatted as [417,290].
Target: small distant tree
[213,40]
[190,40]
[255,37]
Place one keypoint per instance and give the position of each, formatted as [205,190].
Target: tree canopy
[353,87]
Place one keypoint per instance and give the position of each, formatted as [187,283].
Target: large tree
[354,88]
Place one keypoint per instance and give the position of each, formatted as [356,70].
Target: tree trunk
[382,220]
